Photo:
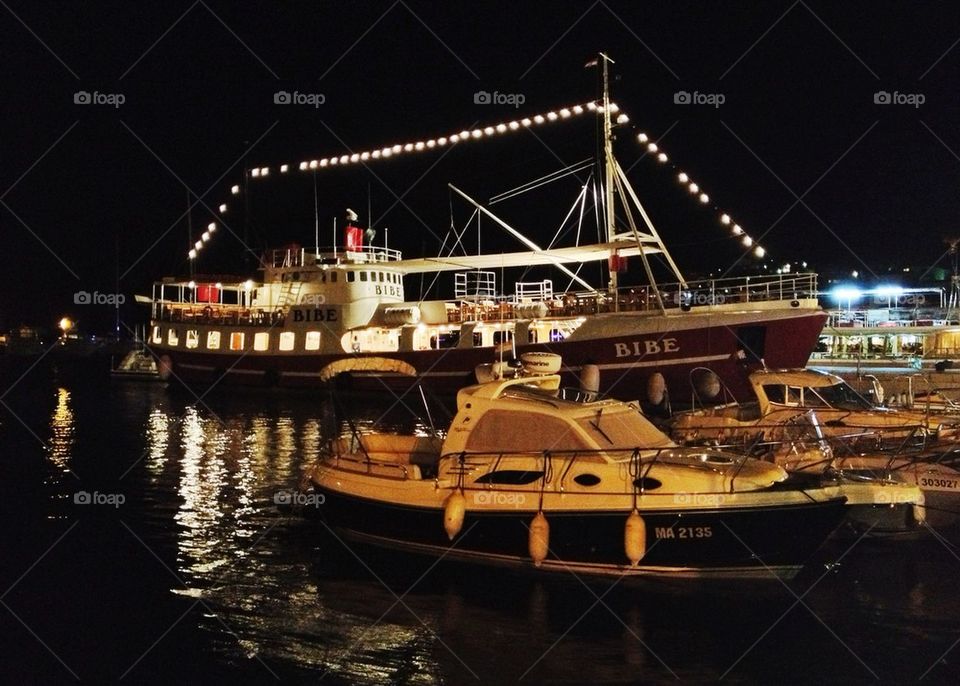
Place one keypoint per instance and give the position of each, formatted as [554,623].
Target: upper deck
[296,256]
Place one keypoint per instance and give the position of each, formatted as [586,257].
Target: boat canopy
[795,377]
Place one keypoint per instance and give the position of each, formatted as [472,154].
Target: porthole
[511,477]
[645,483]
[587,479]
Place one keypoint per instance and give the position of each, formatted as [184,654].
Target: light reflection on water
[60,443]
[281,590]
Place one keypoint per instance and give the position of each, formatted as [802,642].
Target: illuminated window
[157,335]
[213,340]
[261,341]
[236,341]
[172,337]
[193,338]
[312,341]
[287,340]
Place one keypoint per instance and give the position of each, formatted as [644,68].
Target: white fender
[590,378]
[635,538]
[539,542]
[708,384]
[656,388]
[453,512]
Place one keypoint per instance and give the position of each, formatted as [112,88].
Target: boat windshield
[839,396]
[623,430]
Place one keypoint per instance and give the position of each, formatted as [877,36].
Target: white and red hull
[627,348]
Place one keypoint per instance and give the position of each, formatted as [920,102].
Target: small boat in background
[136,365]
[782,395]
[528,478]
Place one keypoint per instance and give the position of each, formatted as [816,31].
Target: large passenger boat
[314,314]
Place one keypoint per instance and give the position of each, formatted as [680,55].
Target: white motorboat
[525,477]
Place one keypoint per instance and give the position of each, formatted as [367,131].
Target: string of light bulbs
[695,190]
[464,136]
[397,149]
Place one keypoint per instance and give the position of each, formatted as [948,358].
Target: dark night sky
[198,80]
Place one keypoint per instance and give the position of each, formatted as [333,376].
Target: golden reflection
[60,446]
[158,437]
[201,484]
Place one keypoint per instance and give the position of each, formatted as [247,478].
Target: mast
[608,168]
[616,179]
[316,219]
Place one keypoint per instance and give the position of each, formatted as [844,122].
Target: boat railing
[703,293]
[217,313]
[796,440]
[539,464]
[296,256]
[892,318]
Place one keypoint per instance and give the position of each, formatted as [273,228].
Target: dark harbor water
[196,575]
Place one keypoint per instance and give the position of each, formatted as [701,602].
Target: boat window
[351,276]
[236,340]
[840,396]
[502,337]
[448,340]
[287,340]
[312,341]
[193,338]
[323,277]
[477,339]
[333,277]
[172,337]
[157,335]
[261,341]
[623,430]
[587,479]
[213,340]
[500,430]
[645,483]
[556,335]
[363,276]
[511,477]
[774,393]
